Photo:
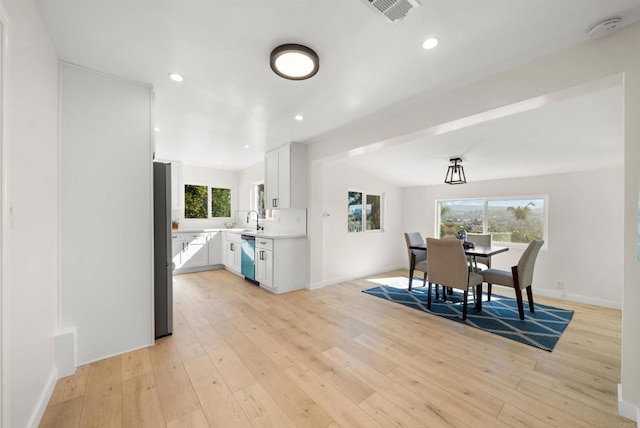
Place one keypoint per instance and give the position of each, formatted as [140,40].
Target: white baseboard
[627,410]
[43,400]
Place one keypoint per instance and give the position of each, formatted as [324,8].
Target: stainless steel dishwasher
[248,268]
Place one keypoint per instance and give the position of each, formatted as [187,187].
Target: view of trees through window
[508,220]
[373,212]
[196,201]
[354,206]
[220,202]
[362,217]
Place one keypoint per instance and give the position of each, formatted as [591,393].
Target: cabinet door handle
[261,255]
[232,247]
[274,202]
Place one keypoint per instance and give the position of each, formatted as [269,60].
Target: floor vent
[392,10]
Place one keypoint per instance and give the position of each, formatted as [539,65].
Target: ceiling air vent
[393,10]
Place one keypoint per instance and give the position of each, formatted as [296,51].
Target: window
[200,202]
[220,202]
[257,202]
[195,201]
[364,211]
[512,220]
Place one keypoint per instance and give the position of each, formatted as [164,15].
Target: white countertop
[250,232]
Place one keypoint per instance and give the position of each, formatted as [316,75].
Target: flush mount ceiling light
[455,173]
[294,62]
[176,77]
[430,43]
[299,117]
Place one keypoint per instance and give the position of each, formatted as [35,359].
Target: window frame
[486,200]
[363,214]
[209,211]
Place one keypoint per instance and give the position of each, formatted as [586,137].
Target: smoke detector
[392,10]
[605,27]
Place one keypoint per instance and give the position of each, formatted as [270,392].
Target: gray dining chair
[480,262]
[520,277]
[417,258]
[448,267]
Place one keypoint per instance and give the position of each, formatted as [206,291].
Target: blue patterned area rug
[541,329]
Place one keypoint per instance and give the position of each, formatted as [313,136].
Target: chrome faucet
[257,218]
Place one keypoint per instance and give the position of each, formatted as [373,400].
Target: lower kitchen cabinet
[232,252]
[264,261]
[215,248]
[281,264]
[195,251]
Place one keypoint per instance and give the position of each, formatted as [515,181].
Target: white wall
[584,214]
[246,179]
[31,272]
[614,57]
[208,177]
[106,232]
[352,255]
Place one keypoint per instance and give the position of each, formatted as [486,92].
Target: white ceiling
[230,97]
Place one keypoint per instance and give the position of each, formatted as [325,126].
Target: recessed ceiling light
[246,146]
[298,117]
[156,129]
[176,77]
[294,62]
[430,43]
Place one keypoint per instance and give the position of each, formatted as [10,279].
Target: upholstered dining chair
[448,267]
[417,258]
[481,263]
[520,277]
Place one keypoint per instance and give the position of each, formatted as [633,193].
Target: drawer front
[264,243]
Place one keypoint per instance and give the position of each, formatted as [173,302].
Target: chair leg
[429,295]
[444,293]
[520,305]
[464,304]
[488,292]
[530,297]
[479,302]
[437,292]
[410,277]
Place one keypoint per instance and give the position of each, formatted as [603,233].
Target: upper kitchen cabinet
[286,176]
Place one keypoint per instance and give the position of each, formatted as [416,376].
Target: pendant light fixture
[294,62]
[455,173]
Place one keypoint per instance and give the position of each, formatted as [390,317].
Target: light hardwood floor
[336,357]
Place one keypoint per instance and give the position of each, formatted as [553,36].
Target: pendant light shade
[455,173]
[294,62]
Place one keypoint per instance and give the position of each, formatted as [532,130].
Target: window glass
[195,201]
[220,202]
[354,206]
[515,220]
[373,212]
[465,214]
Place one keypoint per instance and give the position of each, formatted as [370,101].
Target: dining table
[471,251]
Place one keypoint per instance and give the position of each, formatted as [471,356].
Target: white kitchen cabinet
[286,176]
[232,252]
[264,261]
[177,187]
[215,248]
[189,249]
[195,252]
[283,267]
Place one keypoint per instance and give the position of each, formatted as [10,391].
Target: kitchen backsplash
[292,221]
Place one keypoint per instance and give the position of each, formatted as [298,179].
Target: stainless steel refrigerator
[163,269]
